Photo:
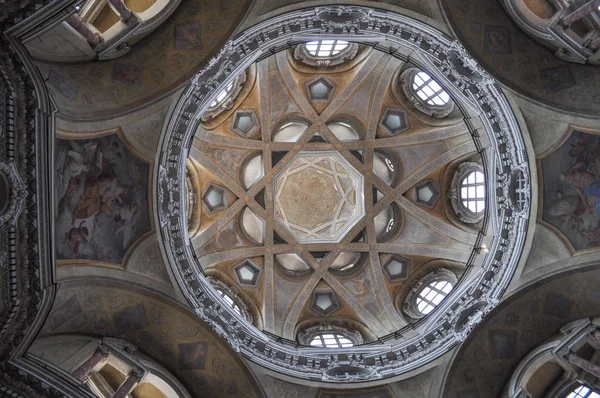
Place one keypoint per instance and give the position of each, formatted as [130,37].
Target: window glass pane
[331,341]
[444,97]
[422,95]
[431,295]
[472,206]
[471,193]
[325,48]
[434,86]
[427,309]
[437,101]
[479,177]
[429,90]
[481,191]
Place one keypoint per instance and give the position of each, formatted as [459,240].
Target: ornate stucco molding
[410,303]
[464,214]
[301,54]
[439,112]
[305,336]
[493,127]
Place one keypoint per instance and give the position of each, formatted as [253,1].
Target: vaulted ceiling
[108,273]
[364,93]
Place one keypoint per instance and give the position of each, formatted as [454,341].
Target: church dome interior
[300,199]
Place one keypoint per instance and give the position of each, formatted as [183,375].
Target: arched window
[225,98]
[472,192]
[432,295]
[344,131]
[327,335]
[467,192]
[386,167]
[222,96]
[252,171]
[388,223]
[426,94]
[330,340]
[428,292]
[326,48]
[429,90]
[583,392]
[290,131]
[229,300]
[325,53]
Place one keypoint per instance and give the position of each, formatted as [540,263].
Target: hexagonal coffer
[426,193]
[215,198]
[396,268]
[325,302]
[319,197]
[395,121]
[247,273]
[245,123]
[320,90]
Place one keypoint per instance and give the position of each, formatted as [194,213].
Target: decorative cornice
[487,113]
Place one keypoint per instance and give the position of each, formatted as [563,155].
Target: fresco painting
[101,192]
[572,190]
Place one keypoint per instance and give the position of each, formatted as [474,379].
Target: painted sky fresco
[572,190]
[101,192]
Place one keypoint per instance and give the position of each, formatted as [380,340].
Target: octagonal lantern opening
[319,197]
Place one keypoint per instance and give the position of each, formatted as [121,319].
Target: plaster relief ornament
[318,196]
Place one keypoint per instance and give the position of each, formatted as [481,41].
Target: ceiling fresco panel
[101,194]
[571,193]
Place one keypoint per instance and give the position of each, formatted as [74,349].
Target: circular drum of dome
[471,89]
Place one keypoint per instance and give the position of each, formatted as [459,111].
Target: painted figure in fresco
[75,237]
[568,208]
[101,191]
[102,186]
[129,75]
[577,201]
[584,174]
[579,178]
[70,163]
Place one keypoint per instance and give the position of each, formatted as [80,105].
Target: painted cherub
[75,237]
